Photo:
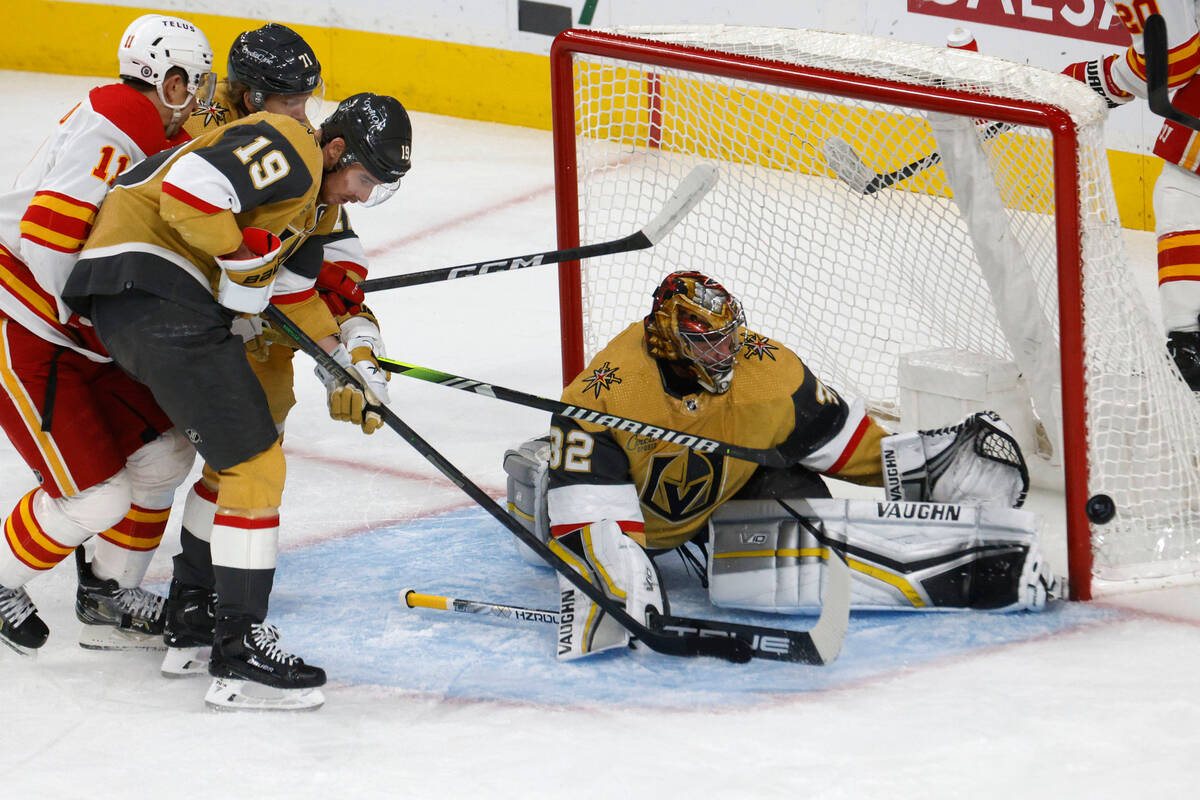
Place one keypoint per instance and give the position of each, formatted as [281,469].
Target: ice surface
[1093,700]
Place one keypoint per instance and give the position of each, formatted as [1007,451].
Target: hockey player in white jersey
[107,458]
[607,500]
[1119,78]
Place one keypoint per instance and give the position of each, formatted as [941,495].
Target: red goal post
[854,281]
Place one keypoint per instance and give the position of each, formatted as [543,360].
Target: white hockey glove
[612,561]
[246,282]
[1098,75]
[976,461]
[351,402]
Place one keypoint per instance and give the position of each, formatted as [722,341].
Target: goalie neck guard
[698,325]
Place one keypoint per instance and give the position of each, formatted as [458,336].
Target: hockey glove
[339,289]
[352,402]
[1098,75]
[249,328]
[246,281]
[976,461]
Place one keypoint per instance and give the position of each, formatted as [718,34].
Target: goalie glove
[1098,75]
[976,461]
[615,564]
[246,283]
[352,402]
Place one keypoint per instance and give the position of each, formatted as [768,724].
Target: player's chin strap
[665,634]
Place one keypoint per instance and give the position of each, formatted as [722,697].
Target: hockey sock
[36,537]
[193,565]
[243,557]
[123,552]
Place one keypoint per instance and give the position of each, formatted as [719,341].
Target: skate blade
[229,694]
[185,662]
[21,650]
[106,637]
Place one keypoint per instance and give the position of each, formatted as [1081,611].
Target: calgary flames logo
[758,347]
[602,378]
[213,113]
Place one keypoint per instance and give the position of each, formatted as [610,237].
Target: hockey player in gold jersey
[616,499]
[185,243]
[269,69]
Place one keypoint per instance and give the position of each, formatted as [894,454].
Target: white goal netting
[960,252]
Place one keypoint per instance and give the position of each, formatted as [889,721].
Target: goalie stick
[689,192]
[820,644]
[848,165]
[725,640]
[1158,94]
[769,457]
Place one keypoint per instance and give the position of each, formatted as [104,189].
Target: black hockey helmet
[273,59]
[378,135]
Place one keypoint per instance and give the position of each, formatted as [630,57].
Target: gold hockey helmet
[696,322]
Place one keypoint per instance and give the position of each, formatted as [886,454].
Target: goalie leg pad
[771,555]
[619,567]
[527,468]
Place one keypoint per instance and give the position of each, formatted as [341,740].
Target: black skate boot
[114,618]
[20,626]
[251,671]
[188,627]
[1184,347]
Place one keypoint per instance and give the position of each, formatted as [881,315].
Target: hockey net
[969,254]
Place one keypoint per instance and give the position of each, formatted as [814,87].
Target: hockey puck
[1101,508]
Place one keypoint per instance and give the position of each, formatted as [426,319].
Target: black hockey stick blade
[770,457]
[1158,94]
[691,189]
[730,649]
[818,645]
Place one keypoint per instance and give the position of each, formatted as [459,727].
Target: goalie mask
[695,322]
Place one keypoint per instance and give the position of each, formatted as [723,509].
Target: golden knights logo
[682,485]
[213,113]
[758,347]
[601,378]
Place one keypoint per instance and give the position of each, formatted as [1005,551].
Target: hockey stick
[689,192]
[770,457]
[1158,95]
[415,599]
[848,165]
[820,644]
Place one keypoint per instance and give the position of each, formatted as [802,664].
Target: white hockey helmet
[153,44]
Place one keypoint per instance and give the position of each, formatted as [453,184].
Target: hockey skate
[114,618]
[20,626]
[1184,347]
[188,630]
[251,672]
